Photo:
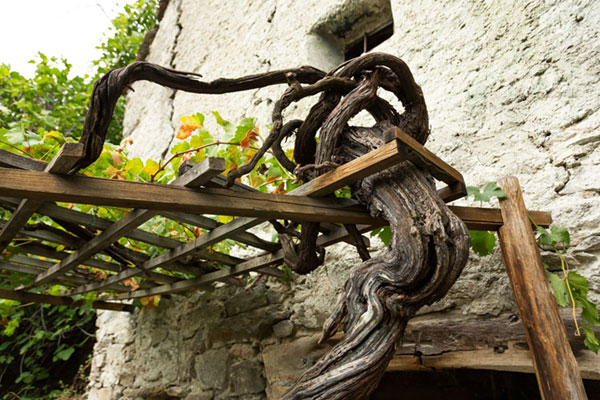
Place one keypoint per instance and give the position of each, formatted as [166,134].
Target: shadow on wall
[465,384]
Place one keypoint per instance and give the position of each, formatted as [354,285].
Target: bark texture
[429,246]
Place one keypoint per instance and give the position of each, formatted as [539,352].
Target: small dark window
[368,42]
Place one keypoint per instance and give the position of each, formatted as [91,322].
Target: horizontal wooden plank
[26,297]
[79,189]
[490,219]
[193,201]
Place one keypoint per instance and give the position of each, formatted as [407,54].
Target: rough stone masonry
[512,89]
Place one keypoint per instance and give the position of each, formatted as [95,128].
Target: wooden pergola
[28,186]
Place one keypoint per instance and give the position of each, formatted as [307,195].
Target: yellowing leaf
[225,219]
[132,283]
[189,123]
[250,137]
[116,158]
[150,302]
[280,189]
[197,231]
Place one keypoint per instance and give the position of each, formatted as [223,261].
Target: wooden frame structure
[28,186]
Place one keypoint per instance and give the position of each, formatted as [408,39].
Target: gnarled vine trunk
[429,244]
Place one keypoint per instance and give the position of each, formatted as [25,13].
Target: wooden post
[555,366]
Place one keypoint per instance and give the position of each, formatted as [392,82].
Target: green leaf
[555,237]
[64,354]
[245,125]
[384,233]
[559,286]
[228,127]
[578,282]
[490,190]
[589,311]
[483,242]
[591,342]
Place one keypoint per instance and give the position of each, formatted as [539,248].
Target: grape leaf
[591,342]
[483,242]
[490,190]
[559,287]
[555,237]
[384,233]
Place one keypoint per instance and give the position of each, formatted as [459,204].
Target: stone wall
[512,89]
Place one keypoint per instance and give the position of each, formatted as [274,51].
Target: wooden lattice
[28,186]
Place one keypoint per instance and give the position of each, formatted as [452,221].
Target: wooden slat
[490,219]
[438,168]
[377,160]
[208,239]
[246,266]
[61,300]
[164,198]
[31,266]
[80,189]
[12,160]
[196,176]
[50,252]
[94,222]
[555,366]
[209,223]
[68,155]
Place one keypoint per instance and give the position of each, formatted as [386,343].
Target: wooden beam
[555,366]
[196,176]
[62,163]
[490,219]
[209,223]
[166,198]
[80,189]
[26,297]
[438,168]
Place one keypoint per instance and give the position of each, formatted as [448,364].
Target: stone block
[284,363]
[211,368]
[247,377]
[246,300]
[283,328]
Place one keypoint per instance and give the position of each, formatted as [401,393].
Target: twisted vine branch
[429,244]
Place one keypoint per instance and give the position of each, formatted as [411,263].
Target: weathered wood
[208,239]
[94,191]
[68,156]
[196,176]
[252,264]
[62,301]
[209,223]
[79,189]
[556,369]
[427,161]
[12,160]
[446,340]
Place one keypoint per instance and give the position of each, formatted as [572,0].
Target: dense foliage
[42,343]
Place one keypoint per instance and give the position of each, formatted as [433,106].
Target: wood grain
[69,155]
[555,366]
[198,175]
